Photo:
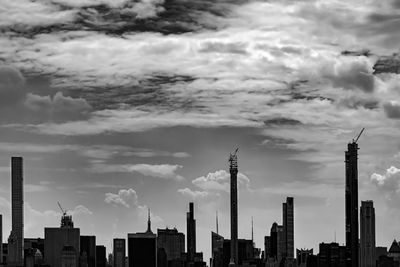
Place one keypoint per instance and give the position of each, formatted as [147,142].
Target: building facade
[288,230]
[367,234]
[191,233]
[172,243]
[119,252]
[101,260]
[16,239]
[233,170]
[88,246]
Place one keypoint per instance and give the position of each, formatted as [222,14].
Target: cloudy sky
[122,105]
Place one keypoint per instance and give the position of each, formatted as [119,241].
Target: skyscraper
[142,248]
[367,234]
[172,242]
[351,202]
[191,233]
[16,239]
[88,246]
[288,229]
[62,245]
[233,169]
[101,256]
[119,252]
[1,238]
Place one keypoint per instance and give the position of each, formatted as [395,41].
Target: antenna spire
[216,220]
[148,221]
[252,232]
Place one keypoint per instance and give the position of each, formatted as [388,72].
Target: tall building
[142,248]
[88,246]
[367,234]
[1,239]
[217,250]
[62,245]
[16,239]
[119,252]
[351,203]
[331,255]
[101,260]
[233,169]
[172,243]
[277,242]
[191,233]
[288,228]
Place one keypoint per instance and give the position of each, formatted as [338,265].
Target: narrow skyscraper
[288,228]
[233,169]
[367,234]
[351,203]
[1,238]
[191,233]
[16,239]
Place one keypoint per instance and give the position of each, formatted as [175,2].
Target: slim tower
[16,239]
[351,202]
[288,228]
[233,169]
[191,233]
[367,234]
[1,238]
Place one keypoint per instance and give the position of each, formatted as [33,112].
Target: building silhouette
[193,258]
[303,257]
[142,248]
[1,239]
[16,239]
[367,234]
[88,246]
[288,230]
[233,169]
[170,243]
[62,245]
[331,255]
[119,252]
[351,203]
[101,260]
[191,233]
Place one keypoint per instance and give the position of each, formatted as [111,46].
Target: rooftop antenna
[335,235]
[252,232]
[356,138]
[216,220]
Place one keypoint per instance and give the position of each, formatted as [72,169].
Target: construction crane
[64,212]
[356,139]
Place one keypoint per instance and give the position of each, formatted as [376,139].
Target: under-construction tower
[351,203]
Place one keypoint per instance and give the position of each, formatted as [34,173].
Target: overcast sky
[119,105]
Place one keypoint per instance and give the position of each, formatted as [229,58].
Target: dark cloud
[389,64]
[281,121]
[392,110]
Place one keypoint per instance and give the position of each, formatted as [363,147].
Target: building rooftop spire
[148,222]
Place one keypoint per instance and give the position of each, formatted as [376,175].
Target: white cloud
[194,195]
[389,184]
[164,171]
[219,181]
[126,198]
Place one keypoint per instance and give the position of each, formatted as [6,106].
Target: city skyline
[118,106]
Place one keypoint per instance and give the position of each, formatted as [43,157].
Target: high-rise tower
[233,169]
[351,203]
[191,233]
[16,239]
[367,234]
[288,228]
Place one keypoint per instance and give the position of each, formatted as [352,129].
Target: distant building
[331,255]
[302,256]
[16,239]
[394,251]
[380,251]
[1,238]
[288,230]
[119,252]
[367,234]
[278,244]
[88,246]
[142,248]
[191,233]
[101,260]
[172,243]
[61,243]
[217,250]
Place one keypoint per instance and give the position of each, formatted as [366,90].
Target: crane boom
[61,208]
[355,140]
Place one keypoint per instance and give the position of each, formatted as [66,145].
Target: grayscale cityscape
[200,133]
